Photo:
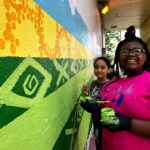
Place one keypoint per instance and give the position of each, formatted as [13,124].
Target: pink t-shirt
[129,97]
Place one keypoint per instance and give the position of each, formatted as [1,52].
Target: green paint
[13,84]
[83,131]
[28,83]
[72,67]
[48,113]
[7,66]
[8,114]
[69,133]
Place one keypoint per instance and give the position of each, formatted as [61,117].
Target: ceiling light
[104,10]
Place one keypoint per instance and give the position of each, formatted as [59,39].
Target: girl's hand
[118,123]
[89,106]
[85,90]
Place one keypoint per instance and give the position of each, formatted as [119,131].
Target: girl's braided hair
[130,37]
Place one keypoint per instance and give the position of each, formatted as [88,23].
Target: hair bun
[130,34]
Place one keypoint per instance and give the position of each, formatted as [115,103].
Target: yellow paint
[26,30]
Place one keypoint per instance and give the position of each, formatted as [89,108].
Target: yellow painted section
[26,30]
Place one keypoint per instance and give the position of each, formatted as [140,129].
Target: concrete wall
[46,52]
[145,31]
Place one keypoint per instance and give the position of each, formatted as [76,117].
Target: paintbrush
[95,102]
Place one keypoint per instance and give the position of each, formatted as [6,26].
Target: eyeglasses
[135,51]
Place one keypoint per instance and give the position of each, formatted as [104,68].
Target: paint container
[107,115]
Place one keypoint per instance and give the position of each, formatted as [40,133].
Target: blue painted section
[60,11]
[119,101]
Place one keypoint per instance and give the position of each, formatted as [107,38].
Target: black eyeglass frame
[128,51]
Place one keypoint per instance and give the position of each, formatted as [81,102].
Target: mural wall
[46,54]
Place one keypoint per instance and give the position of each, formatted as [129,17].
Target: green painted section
[8,114]
[8,65]
[61,70]
[40,115]
[31,79]
[83,131]
[78,123]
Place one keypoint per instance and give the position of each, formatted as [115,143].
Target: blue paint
[60,11]
[119,101]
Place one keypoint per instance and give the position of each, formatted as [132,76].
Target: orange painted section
[29,31]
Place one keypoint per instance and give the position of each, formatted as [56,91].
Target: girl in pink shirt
[129,97]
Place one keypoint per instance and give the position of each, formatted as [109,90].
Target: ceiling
[123,13]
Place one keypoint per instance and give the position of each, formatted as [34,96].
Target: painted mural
[46,53]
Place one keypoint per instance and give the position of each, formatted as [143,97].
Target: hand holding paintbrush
[92,106]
